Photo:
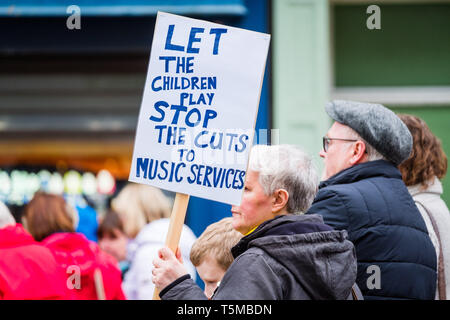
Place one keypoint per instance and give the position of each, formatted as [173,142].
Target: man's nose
[322,153]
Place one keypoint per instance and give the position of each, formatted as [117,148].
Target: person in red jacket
[92,274]
[28,270]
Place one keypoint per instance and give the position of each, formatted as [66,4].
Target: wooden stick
[99,288]
[175,226]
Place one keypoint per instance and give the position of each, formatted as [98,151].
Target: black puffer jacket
[290,257]
[372,203]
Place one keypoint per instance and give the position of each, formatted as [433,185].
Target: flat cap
[377,125]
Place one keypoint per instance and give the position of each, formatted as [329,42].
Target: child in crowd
[112,239]
[211,253]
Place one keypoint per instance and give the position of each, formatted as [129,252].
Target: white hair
[372,153]
[6,217]
[286,167]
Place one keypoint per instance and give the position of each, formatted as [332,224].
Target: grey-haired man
[362,192]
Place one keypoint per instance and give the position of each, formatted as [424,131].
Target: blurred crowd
[378,204]
[43,257]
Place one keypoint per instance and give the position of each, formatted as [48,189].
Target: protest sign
[198,113]
[199,108]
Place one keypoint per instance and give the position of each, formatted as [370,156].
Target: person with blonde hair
[138,205]
[422,173]
[211,253]
[144,211]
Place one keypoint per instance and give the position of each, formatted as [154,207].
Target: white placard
[198,113]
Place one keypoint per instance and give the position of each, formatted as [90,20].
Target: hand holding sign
[168,267]
[198,112]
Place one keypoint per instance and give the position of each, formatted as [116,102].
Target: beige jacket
[430,199]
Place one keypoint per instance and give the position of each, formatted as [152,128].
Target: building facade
[325,50]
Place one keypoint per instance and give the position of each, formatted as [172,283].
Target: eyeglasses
[326,142]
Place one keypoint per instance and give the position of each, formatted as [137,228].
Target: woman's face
[256,206]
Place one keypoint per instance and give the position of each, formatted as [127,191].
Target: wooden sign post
[175,226]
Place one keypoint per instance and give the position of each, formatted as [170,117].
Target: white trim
[381,2]
[398,96]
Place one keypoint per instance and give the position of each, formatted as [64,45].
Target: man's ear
[358,153]
[280,200]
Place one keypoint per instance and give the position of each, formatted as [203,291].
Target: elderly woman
[421,173]
[283,255]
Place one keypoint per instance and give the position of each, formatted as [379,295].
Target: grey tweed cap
[377,125]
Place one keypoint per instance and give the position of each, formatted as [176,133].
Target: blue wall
[201,212]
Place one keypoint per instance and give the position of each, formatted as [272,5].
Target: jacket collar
[434,186]
[281,225]
[378,168]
